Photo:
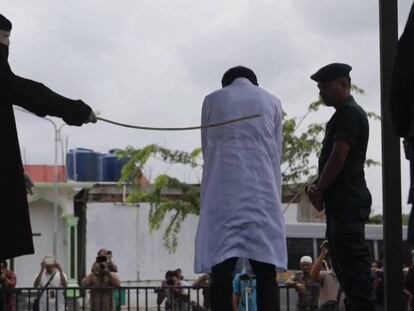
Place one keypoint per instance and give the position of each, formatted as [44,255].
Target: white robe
[241,213]
[55,297]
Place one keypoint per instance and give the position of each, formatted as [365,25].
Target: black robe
[15,229]
[402,90]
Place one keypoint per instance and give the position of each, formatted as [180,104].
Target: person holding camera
[322,274]
[162,293]
[308,290]
[177,297]
[102,279]
[51,276]
[7,281]
[111,265]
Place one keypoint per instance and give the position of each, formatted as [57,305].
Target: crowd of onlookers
[316,285]
[102,279]
[174,292]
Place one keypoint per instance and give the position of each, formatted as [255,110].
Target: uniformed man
[15,230]
[341,188]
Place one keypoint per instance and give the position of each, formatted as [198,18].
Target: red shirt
[11,298]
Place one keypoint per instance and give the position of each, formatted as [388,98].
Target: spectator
[409,283]
[102,298]
[111,265]
[162,293]
[376,269]
[7,281]
[326,278]
[308,290]
[179,298]
[180,274]
[204,282]
[51,275]
[244,292]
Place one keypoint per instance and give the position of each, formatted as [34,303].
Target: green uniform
[347,205]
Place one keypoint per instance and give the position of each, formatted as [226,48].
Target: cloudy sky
[151,62]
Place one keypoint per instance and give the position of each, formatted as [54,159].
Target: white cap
[49,260]
[306,259]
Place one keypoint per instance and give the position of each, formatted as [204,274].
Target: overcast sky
[152,62]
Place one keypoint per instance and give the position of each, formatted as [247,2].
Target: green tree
[378,219]
[300,148]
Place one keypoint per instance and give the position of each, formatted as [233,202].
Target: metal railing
[149,298]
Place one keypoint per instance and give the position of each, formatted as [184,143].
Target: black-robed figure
[15,228]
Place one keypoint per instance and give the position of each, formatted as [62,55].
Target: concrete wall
[140,255]
[27,267]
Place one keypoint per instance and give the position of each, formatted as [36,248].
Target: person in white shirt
[51,274]
[241,215]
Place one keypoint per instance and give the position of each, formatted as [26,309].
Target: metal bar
[129,299]
[146,298]
[137,298]
[391,168]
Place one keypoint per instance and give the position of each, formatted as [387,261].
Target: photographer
[327,280]
[102,279]
[179,298]
[7,280]
[162,293]
[307,289]
[244,286]
[51,275]
[111,265]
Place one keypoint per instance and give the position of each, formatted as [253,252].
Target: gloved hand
[91,118]
[29,184]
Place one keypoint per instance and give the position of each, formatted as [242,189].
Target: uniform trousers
[350,255]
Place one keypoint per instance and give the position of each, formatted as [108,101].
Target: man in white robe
[241,215]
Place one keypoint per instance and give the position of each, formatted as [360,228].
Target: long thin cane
[188,128]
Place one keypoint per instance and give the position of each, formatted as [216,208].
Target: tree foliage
[300,150]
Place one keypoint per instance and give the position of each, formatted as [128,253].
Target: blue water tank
[111,166]
[83,165]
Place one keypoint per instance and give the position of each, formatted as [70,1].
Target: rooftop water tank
[83,165]
[112,166]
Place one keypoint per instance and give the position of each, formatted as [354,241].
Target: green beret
[331,72]
[5,24]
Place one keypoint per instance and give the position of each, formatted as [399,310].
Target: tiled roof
[45,173]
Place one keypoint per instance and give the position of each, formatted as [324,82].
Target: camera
[103,262]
